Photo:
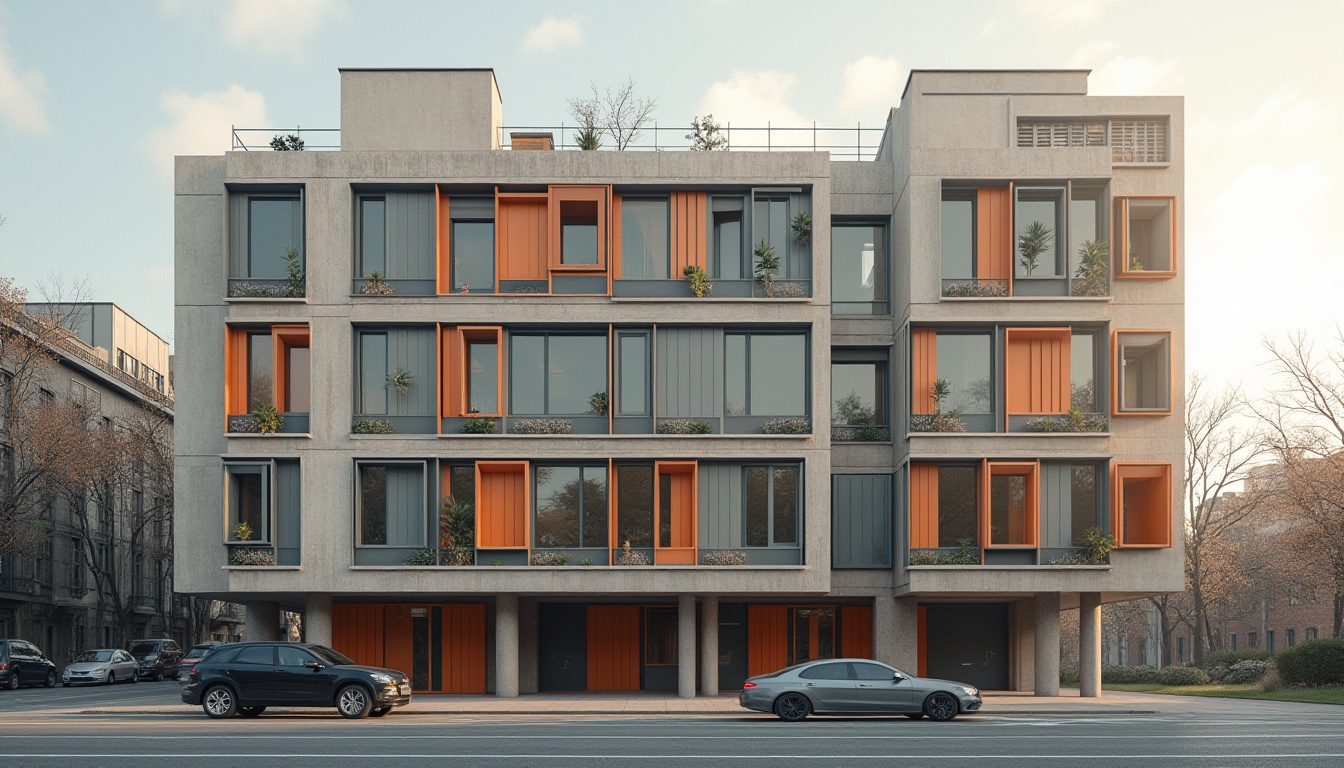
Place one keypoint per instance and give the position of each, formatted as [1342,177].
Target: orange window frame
[1120,244]
[1037,376]
[283,339]
[684,522]
[1031,470]
[1116,367]
[480,333]
[599,196]
[503,523]
[1156,525]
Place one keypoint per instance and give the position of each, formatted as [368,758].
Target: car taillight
[748,684]
[193,670]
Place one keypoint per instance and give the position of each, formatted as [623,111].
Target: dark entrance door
[563,643]
[968,643]
[732,646]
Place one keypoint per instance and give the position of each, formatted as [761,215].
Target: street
[74,727]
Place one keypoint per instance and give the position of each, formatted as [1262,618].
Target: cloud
[752,99]
[553,34]
[22,93]
[987,29]
[275,26]
[1124,75]
[871,81]
[1062,12]
[199,125]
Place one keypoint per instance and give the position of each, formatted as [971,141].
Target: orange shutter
[443,259]
[767,639]
[463,648]
[502,502]
[399,638]
[994,234]
[1037,373]
[235,373]
[681,510]
[613,648]
[688,231]
[924,368]
[923,506]
[520,234]
[856,631]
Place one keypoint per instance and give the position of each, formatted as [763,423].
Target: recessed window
[771,223]
[859,269]
[392,505]
[274,225]
[373,373]
[1039,218]
[765,374]
[660,631]
[958,234]
[1013,489]
[727,256]
[634,505]
[772,506]
[482,376]
[556,375]
[372,236]
[1146,246]
[644,239]
[248,501]
[858,400]
[571,507]
[578,232]
[1143,362]
[260,372]
[633,374]
[1142,506]
[473,249]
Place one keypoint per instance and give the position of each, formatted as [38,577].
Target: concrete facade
[407,130]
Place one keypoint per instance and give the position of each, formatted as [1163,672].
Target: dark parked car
[855,687]
[157,658]
[195,654]
[246,678]
[21,663]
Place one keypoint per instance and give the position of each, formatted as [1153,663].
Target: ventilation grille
[1131,141]
[1138,141]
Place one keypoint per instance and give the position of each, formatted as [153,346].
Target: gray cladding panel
[410,235]
[690,372]
[289,513]
[414,350]
[1056,505]
[405,506]
[861,521]
[720,521]
[237,235]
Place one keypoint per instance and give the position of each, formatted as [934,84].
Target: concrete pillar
[1023,657]
[317,619]
[1089,643]
[529,628]
[709,646]
[686,647]
[506,645]
[1046,644]
[899,645]
[263,622]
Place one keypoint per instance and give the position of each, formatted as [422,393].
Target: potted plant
[767,266]
[1033,242]
[697,279]
[268,419]
[597,403]
[802,228]
[376,285]
[400,380]
[938,421]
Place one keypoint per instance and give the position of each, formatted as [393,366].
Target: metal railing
[259,139]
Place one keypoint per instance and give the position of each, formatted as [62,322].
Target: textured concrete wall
[419,109]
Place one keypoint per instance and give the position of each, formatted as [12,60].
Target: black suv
[246,678]
[157,658]
[21,663]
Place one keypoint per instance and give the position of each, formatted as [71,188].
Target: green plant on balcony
[856,421]
[375,284]
[1074,421]
[422,557]
[1034,241]
[589,139]
[698,280]
[268,419]
[295,281]
[802,228]
[541,427]
[372,427]
[479,425]
[966,553]
[242,532]
[1096,545]
[251,556]
[628,556]
[1093,276]
[767,266]
[597,403]
[586,561]
[938,421]
[973,289]
[400,380]
[787,425]
[547,557]
[684,427]
[723,557]
[457,525]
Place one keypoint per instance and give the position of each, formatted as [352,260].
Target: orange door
[613,648]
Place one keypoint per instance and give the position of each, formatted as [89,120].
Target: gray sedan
[107,665]
[855,687]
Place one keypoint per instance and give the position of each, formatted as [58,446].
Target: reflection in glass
[483,378]
[964,361]
[634,506]
[661,635]
[571,507]
[578,232]
[1008,509]
[372,504]
[958,246]
[1038,207]
[957,505]
[527,374]
[1082,362]
[247,502]
[473,250]
[1083,500]
[771,223]
[372,236]
[260,371]
[858,270]
[273,224]
[757,514]
[785,503]
[644,239]
[298,383]
[576,370]
[856,394]
[728,245]
[633,399]
[372,373]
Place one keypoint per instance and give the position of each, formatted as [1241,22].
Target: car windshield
[143,649]
[95,656]
[199,651]
[331,657]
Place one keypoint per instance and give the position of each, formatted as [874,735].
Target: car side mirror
[313,665]
[897,676]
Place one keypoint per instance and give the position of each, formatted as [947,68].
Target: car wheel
[352,701]
[111,677]
[380,711]
[251,711]
[135,676]
[158,675]
[940,706]
[792,707]
[219,702]
[13,680]
[915,715]
[50,682]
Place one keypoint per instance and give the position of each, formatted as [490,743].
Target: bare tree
[1218,456]
[617,112]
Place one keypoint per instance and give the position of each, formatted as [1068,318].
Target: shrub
[1183,676]
[1271,681]
[1069,673]
[697,280]
[684,427]
[242,532]
[1217,673]
[1315,662]
[251,556]
[243,424]
[478,425]
[723,557]
[422,557]
[541,427]
[1128,675]
[376,285]
[268,419]
[1243,672]
[597,403]
[786,426]
[976,290]
[372,427]
[1228,658]
[1075,421]
[631,557]
[966,553]
[1096,545]
[547,557]
[457,556]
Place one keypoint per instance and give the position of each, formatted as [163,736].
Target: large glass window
[556,375]
[1083,500]
[1087,216]
[1148,235]
[661,636]
[260,371]
[578,232]
[298,379]
[958,230]
[772,506]
[373,373]
[571,507]
[1145,372]
[964,362]
[473,250]
[634,505]
[771,223]
[633,384]
[957,505]
[274,224]
[483,377]
[728,240]
[1038,219]
[858,400]
[765,374]
[372,236]
[1008,509]
[248,500]
[1083,372]
[858,269]
[644,239]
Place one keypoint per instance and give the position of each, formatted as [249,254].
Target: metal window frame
[424,499]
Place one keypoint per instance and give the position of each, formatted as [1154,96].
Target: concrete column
[1089,643]
[902,642]
[317,619]
[262,621]
[884,629]
[506,645]
[1023,657]
[709,646]
[1046,644]
[529,620]
[686,647]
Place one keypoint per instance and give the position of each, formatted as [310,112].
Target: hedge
[1228,658]
[1315,662]
[1182,676]
[1128,675]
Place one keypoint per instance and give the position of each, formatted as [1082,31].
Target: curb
[745,713]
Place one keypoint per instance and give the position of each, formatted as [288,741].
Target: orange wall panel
[856,631]
[767,638]
[398,638]
[501,504]
[924,368]
[235,373]
[994,233]
[687,219]
[923,506]
[1141,511]
[521,241]
[357,632]
[463,656]
[613,648]
[1037,373]
[443,229]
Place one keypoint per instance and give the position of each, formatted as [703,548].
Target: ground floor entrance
[442,647]
[966,642]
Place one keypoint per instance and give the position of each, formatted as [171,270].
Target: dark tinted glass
[957,518]
[327,654]
[786,506]
[558,503]
[144,649]
[866,671]
[474,255]
[293,656]
[264,654]
[835,671]
[758,507]
[634,506]
[273,226]
[373,505]
[373,238]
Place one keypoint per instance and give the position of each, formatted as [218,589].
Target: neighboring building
[118,339]
[907,430]
[48,592]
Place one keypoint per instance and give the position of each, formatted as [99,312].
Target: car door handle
[808,685]
[865,685]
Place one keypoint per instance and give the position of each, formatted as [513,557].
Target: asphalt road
[33,732]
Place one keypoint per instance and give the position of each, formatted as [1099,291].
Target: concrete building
[518,453]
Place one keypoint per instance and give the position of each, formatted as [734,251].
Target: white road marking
[799,736]
[550,756]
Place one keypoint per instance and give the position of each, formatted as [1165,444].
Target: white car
[105,665]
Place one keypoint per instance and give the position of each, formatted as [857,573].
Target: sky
[97,97]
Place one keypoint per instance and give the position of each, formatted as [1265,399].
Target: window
[632,382]
[268,366]
[1146,236]
[292,656]
[6,393]
[766,374]
[571,507]
[482,376]
[644,239]
[958,234]
[1083,375]
[473,249]
[257,654]
[836,671]
[372,373]
[726,213]
[75,575]
[1311,633]
[372,236]
[814,635]
[963,362]
[556,375]
[1269,640]
[1139,141]
[1013,506]
[274,225]
[634,505]
[1180,650]
[1232,641]
[1082,500]
[1252,640]
[1141,511]
[391,504]
[869,671]
[260,373]
[85,397]
[1292,638]
[578,232]
[944,506]
[771,222]
[1143,370]
[859,269]
[1130,140]
[1090,133]
[298,379]
[858,399]
[772,506]
[1038,215]
[660,648]
[247,492]
[396,238]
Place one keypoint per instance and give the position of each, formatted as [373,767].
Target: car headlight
[96,670]
[970,691]
[381,679]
